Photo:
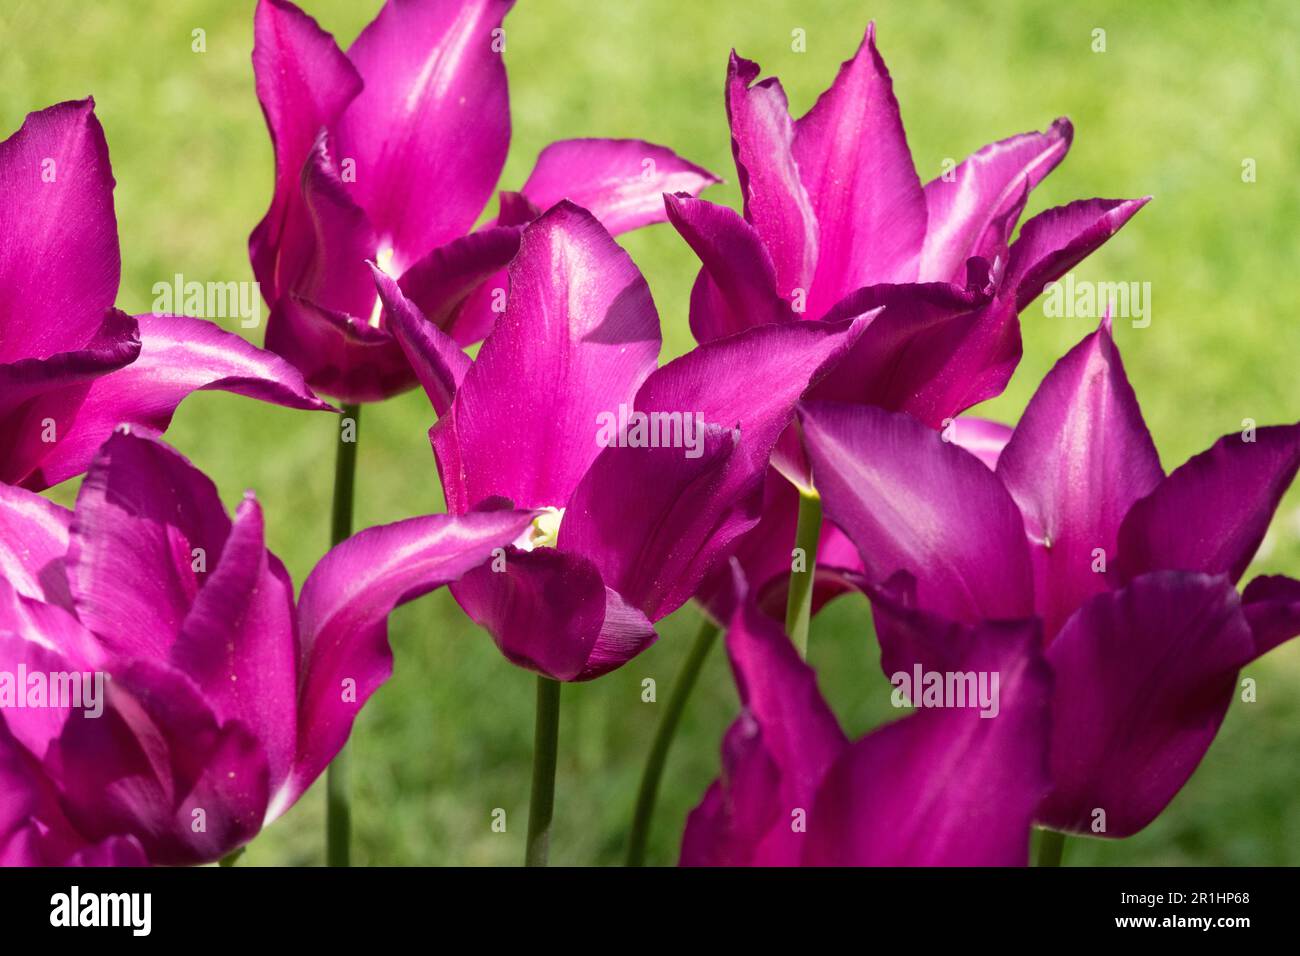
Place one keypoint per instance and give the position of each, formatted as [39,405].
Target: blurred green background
[1182,95]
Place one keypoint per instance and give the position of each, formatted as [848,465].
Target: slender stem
[672,716]
[1051,847]
[546,745]
[338,799]
[798,608]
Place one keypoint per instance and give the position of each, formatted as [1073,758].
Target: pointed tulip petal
[1055,241]
[897,797]
[619,181]
[962,208]
[440,364]
[304,82]
[1272,608]
[776,203]
[736,288]
[912,502]
[58,215]
[434,109]
[147,527]
[1144,677]
[1211,513]
[238,643]
[579,335]
[855,163]
[1078,460]
[179,356]
[775,755]
[343,619]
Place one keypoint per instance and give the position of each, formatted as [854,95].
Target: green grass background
[1183,93]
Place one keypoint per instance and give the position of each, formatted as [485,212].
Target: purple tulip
[937,788]
[836,223]
[1131,572]
[223,701]
[71,366]
[389,154]
[634,528]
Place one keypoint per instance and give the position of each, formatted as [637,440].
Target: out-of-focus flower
[389,154]
[218,701]
[1133,573]
[71,366]
[637,514]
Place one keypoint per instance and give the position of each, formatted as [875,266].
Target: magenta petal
[619,181]
[764,556]
[1078,460]
[1055,241]
[40,398]
[440,364]
[696,507]
[46,640]
[736,288]
[545,609]
[1211,513]
[775,754]
[238,642]
[625,633]
[33,542]
[303,83]
[946,787]
[579,335]
[59,262]
[1144,677]
[854,162]
[156,763]
[935,350]
[147,530]
[180,355]
[981,437]
[1272,608]
[434,112]
[656,553]
[776,203]
[443,283]
[343,619]
[912,502]
[987,185]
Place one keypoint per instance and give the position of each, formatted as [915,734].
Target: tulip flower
[389,153]
[71,366]
[794,791]
[643,477]
[1132,572]
[836,222]
[632,526]
[219,701]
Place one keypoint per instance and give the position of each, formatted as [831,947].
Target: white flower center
[543,532]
